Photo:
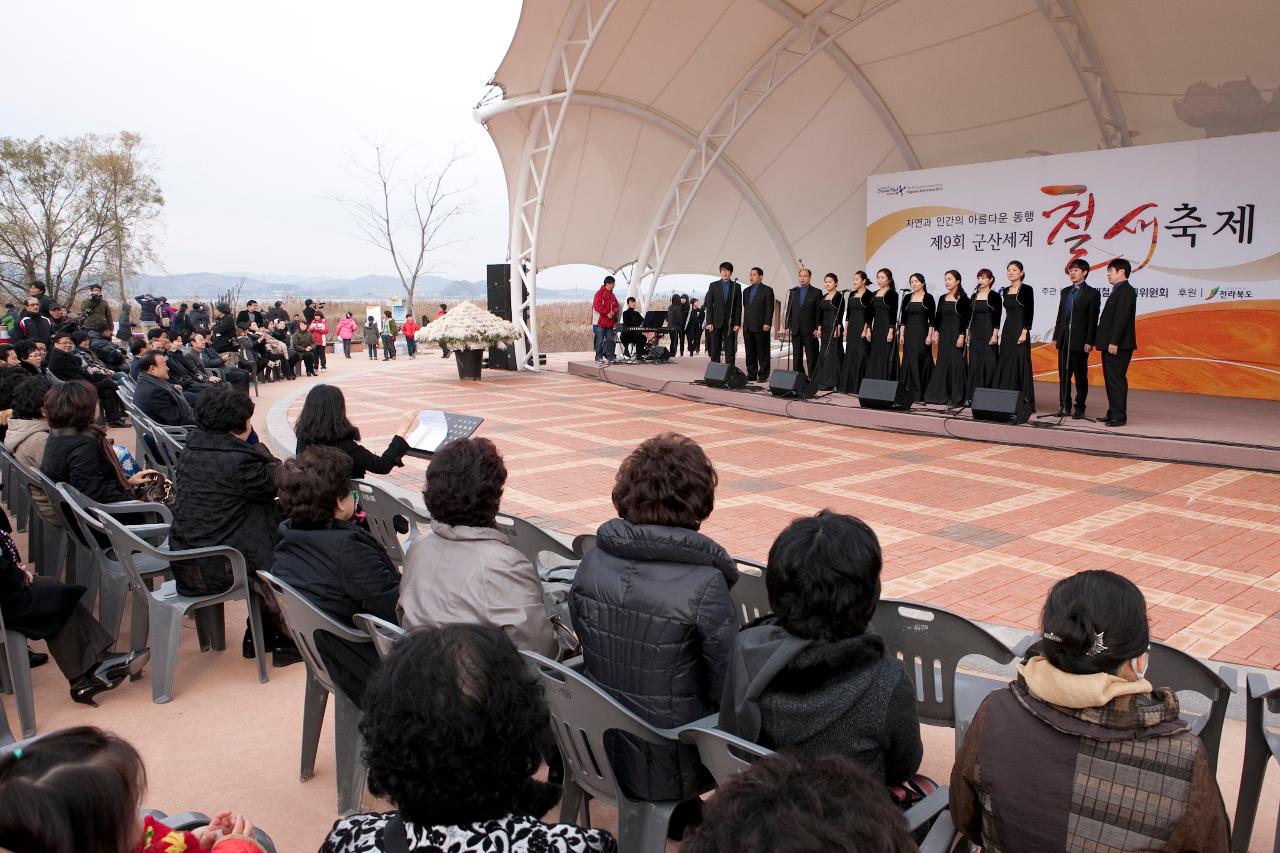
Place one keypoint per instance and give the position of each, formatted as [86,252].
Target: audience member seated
[454,729]
[205,359]
[651,605]
[103,350]
[304,346]
[78,451]
[28,431]
[323,421]
[465,569]
[67,366]
[31,356]
[225,492]
[810,677]
[80,789]
[9,356]
[825,804]
[1081,752]
[156,396]
[43,609]
[222,337]
[10,379]
[339,567]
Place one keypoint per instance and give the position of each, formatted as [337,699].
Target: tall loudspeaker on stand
[724,376]
[498,291]
[999,405]
[883,394]
[790,383]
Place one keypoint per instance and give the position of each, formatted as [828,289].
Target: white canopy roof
[678,133]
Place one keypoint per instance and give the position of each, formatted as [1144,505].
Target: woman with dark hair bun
[984,334]
[919,313]
[651,606]
[323,421]
[882,359]
[1112,758]
[1013,364]
[857,337]
[829,332]
[455,726]
[948,385]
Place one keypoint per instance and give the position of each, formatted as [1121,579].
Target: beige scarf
[1065,690]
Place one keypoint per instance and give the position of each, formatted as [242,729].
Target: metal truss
[1073,34]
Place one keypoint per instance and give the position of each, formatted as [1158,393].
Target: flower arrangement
[468,327]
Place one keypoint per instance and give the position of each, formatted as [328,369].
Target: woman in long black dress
[984,334]
[882,360]
[1013,365]
[857,334]
[830,331]
[918,322]
[949,384]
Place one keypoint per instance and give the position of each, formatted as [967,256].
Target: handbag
[156,489]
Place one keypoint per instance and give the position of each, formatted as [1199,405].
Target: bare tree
[66,205]
[406,217]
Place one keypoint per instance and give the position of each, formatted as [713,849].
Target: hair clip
[1051,636]
[17,754]
[1098,646]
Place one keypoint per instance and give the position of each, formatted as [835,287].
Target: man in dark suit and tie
[1117,338]
[802,321]
[757,315]
[1073,335]
[724,315]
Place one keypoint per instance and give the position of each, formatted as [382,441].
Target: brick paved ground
[983,529]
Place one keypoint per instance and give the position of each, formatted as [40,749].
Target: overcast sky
[252,110]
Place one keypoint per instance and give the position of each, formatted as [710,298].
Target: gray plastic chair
[931,642]
[723,754]
[15,490]
[582,543]
[304,620]
[6,734]
[581,714]
[532,541]
[384,634]
[15,679]
[166,608]
[381,511]
[1174,668]
[48,548]
[750,597]
[1261,747]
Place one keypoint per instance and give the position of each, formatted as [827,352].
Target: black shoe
[1116,423]
[246,645]
[1078,414]
[109,674]
[285,657]
[36,658]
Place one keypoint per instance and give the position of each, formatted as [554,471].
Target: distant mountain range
[265,286]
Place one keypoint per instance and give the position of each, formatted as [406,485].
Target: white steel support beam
[809,38]
[1069,25]
[578,33]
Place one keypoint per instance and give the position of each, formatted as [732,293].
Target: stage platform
[1228,431]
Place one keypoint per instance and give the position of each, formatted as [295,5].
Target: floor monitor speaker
[883,394]
[790,383]
[999,405]
[720,375]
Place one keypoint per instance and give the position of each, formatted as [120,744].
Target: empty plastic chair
[750,597]
[1173,668]
[931,642]
[304,620]
[581,714]
[166,608]
[15,679]
[384,634]
[1261,747]
[382,511]
[533,542]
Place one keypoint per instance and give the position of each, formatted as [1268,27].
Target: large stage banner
[1199,221]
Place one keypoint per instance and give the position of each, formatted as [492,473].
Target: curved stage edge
[1226,431]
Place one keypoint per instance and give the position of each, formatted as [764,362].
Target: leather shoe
[285,657]
[1078,414]
[109,674]
[35,658]
[1116,423]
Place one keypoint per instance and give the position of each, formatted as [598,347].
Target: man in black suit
[1117,338]
[724,315]
[1073,335]
[802,322]
[156,396]
[757,317]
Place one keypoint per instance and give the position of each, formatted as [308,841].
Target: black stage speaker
[659,354]
[724,376]
[997,404]
[883,394]
[498,279]
[790,383]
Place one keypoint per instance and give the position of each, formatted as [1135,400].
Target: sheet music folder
[435,428]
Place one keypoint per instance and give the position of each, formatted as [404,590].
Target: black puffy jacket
[651,606]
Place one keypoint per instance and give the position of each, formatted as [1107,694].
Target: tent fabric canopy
[745,129]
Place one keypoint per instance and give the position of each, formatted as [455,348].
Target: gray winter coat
[823,696]
[651,606]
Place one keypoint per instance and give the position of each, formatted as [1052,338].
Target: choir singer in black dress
[1013,364]
[882,360]
[723,307]
[830,331]
[918,322]
[1118,338]
[949,384]
[1073,335]
[757,320]
[857,334]
[802,322]
[984,333]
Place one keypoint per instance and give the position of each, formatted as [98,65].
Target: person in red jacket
[408,327]
[604,316]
